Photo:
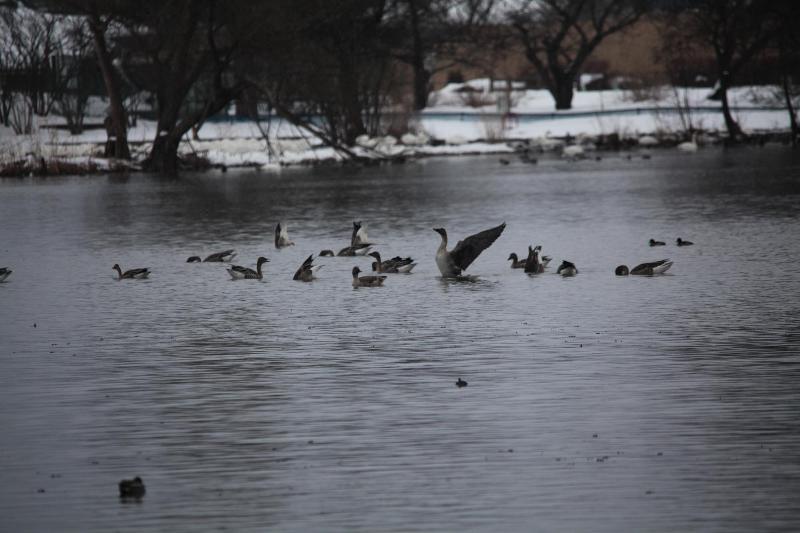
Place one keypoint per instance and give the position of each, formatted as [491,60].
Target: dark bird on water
[452,262]
[4,273]
[282,236]
[654,242]
[515,261]
[567,269]
[681,242]
[306,270]
[366,281]
[645,269]
[395,265]
[194,259]
[131,488]
[461,383]
[220,257]
[134,273]
[240,272]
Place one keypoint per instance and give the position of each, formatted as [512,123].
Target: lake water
[595,403]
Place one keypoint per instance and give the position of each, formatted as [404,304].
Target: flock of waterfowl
[451,263]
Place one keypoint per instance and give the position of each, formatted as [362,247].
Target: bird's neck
[443,244]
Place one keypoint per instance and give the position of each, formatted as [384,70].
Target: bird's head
[262,260]
[441,231]
[512,256]
[621,270]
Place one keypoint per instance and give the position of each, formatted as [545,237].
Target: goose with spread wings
[306,270]
[282,236]
[452,263]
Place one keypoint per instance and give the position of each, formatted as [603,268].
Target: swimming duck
[306,270]
[654,242]
[392,266]
[134,273]
[240,272]
[461,383]
[681,242]
[282,237]
[515,262]
[645,269]
[194,259]
[532,263]
[326,253]
[220,257]
[4,273]
[366,281]
[131,488]
[452,262]
[567,269]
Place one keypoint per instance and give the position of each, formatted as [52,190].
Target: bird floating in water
[532,263]
[394,265]
[358,242]
[220,257]
[461,383]
[366,281]
[326,253]
[134,273]
[306,270]
[681,242]
[194,259]
[282,237]
[452,262]
[654,242]
[4,273]
[131,488]
[645,269]
[515,261]
[567,269]
[689,146]
[359,236]
[351,251]
[240,272]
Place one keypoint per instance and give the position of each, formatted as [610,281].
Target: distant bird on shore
[689,146]
[654,242]
[395,265]
[282,237]
[4,273]
[131,488]
[645,269]
[220,257]
[532,263]
[194,259]
[515,261]
[567,269]
[452,262]
[240,272]
[306,270]
[366,281]
[681,242]
[134,273]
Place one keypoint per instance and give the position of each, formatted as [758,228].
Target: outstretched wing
[654,264]
[277,235]
[469,249]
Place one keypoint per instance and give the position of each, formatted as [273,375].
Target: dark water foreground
[594,403]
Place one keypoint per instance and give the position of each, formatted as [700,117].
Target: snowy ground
[470,122]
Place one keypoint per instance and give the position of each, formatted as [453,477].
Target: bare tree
[787,45]
[558,36]
[736,30]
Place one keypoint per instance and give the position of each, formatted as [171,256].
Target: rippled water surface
[594,403]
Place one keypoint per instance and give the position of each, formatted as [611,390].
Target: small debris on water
[594,436]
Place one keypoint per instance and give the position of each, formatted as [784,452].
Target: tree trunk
[119,123]
[421,85]
[163,158]
[421,75]
[351,106]
[562,91]
[787,95]
[734,131]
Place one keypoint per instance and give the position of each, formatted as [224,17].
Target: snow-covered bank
[448,127]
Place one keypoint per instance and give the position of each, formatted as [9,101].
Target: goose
[545,259]
[194,259]
[359,236]
[4,273]
[131,488]
[515,262]
[689,146]
[366,281]
[681,242]
[240,272]
[282,237]
[392,266]
[220,257]
[645,269]
[654,242]
[134,273]
[306,270]
[567,269]
[351,251]
[532,263]
[452,262]
[326,253]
